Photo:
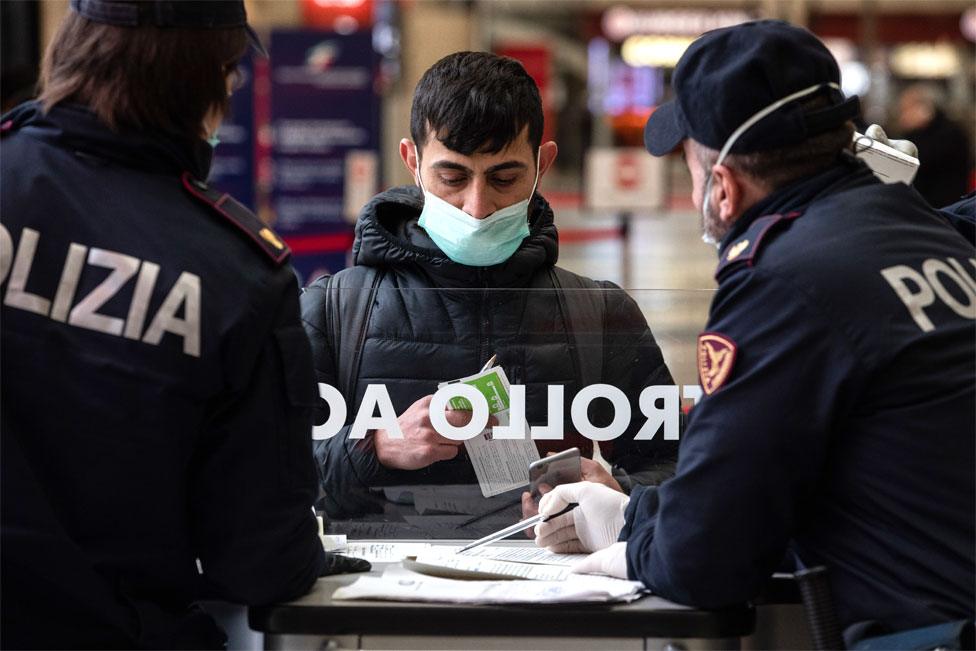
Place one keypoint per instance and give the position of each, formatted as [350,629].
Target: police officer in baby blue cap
[838,364]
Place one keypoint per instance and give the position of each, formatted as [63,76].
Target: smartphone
[551,471]
[887,163]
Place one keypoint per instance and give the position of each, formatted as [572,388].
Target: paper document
[384,552]
[499,464]
[333,543]
[394,552]
[887,163]
[434,562]
[526,554]
[466,499]
[398,584]
[450,525]
[365,530]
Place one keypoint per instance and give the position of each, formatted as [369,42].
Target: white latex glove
[611,561]
[592,525]
[875,132]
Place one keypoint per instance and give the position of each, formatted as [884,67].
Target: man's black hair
[476,102]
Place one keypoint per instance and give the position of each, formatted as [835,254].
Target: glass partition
[417,436]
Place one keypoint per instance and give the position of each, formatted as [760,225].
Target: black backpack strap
[350,304]
[583,308]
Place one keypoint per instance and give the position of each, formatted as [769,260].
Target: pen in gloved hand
[517,527]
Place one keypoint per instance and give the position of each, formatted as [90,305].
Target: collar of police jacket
[74,127]
[797,195]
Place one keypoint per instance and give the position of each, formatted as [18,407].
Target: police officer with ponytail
[156,381]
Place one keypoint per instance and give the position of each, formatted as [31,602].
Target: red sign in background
[537,61]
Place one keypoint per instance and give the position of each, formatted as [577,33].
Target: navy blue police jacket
[839,373]
[157,393]
[962,215]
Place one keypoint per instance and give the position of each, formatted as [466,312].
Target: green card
[491,386]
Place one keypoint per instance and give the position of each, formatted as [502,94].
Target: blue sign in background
[324,105]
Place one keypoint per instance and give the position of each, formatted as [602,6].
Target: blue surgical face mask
[476,242]
[727,147]
[213,140]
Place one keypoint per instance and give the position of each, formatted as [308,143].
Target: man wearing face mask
[475,230]
[157,384]
[838,362]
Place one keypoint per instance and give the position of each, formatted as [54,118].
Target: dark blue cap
[729,75]
[204,14]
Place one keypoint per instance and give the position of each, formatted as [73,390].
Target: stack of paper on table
[393,551]
[400,584]
[457,566]
[518,554]
[332,542]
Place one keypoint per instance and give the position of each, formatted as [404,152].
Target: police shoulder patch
[238,215]
[745,249]
[716,355]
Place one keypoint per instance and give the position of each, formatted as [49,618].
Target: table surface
[649,617]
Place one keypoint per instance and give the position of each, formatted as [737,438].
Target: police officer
[157,383]
[838,363]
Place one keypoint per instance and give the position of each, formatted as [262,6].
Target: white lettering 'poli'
[915,301]
[931,285]
[70,275]
[553,430]
[479,412]
[668,414]
[6,252]
[337,413]
[375,396]
[581,419]
[84,314]
[932,268]
[955,264]
[515,430]
[140,300]
[16,296]
[185,292]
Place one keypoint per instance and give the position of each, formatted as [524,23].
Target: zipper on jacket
[484,312]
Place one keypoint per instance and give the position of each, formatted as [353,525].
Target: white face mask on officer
[713,230]
[471,241]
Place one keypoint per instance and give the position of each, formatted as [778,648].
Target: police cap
[729,75]
[205,14]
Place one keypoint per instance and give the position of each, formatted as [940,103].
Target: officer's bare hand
[531,508]
[421,445]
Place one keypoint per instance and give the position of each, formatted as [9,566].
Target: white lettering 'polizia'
[82,311]
[919,289]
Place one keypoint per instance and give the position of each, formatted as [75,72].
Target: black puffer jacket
[433,320]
